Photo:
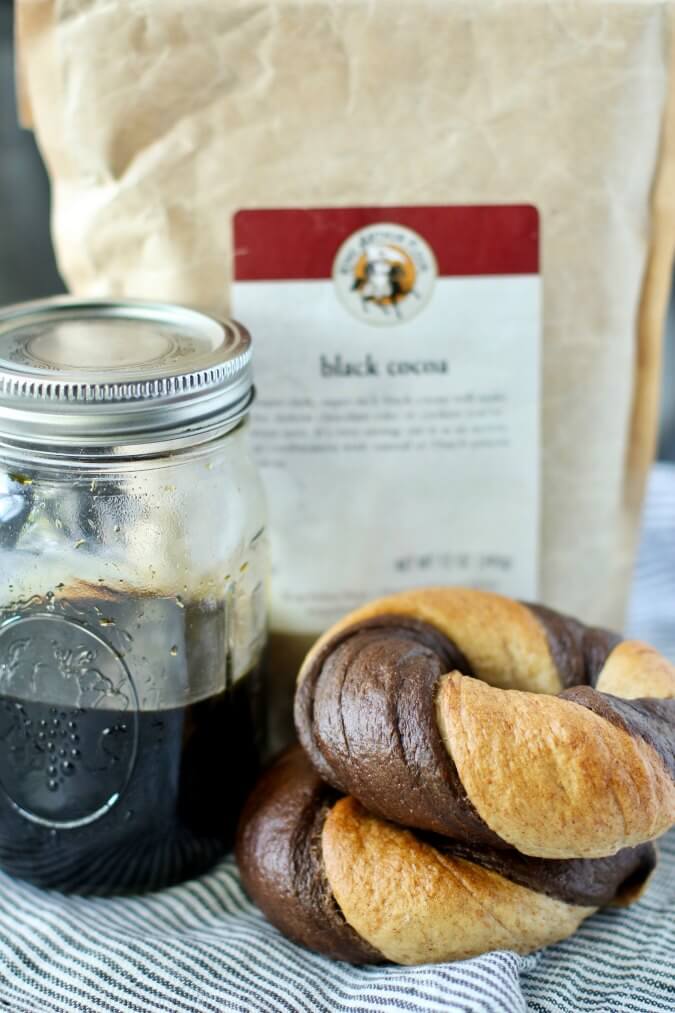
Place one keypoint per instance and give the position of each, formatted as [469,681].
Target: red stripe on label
[301,244]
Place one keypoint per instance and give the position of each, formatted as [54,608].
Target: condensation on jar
[133,560]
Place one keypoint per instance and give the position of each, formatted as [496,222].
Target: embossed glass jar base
[68,823]
[107,782]
[43,770]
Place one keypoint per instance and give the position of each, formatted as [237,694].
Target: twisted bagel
[343,882]
[493,722]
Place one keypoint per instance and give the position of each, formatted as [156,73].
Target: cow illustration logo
[384,274]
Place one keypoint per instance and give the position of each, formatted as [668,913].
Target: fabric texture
[203,947]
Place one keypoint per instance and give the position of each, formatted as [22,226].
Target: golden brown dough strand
[552,778]
[635,670]
[418,906]
[501,638]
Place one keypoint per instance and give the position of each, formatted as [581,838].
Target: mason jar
[132,592]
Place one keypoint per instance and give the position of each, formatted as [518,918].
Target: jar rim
[100,373]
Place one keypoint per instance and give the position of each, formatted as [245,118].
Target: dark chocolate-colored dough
[579,652]
[365,715]
[279,855]
[590,882]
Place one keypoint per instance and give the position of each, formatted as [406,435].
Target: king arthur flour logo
[384,274]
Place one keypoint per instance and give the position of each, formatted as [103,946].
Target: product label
[397,361]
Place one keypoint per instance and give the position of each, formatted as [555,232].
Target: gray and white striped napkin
[204,948]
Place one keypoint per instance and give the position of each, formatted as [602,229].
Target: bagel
[347,884]
[496,723]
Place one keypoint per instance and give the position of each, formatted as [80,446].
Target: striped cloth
[203,946]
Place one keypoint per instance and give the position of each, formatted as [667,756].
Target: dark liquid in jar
[101,801]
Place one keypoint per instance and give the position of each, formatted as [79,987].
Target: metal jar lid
[109,374]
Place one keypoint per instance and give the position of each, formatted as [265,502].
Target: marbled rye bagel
[498,724]
[495,774]
[343,882]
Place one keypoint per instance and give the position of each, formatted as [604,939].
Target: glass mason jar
[132,601]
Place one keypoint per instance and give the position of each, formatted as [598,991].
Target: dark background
[27,267]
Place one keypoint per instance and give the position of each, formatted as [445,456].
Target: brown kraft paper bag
[450,228]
